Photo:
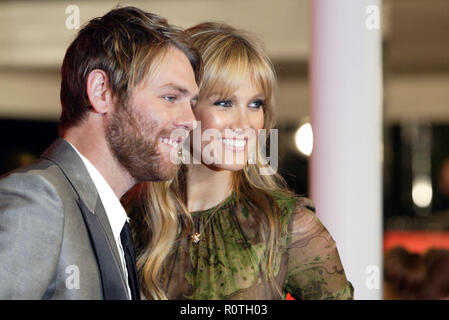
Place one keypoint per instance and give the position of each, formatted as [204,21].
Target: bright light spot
[422,191]
[304,139]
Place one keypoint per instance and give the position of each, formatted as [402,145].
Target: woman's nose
[242,122]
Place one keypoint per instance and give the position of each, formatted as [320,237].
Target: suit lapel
[113,287]
[95,218]
[100,213]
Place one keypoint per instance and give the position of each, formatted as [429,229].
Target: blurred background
[415,51]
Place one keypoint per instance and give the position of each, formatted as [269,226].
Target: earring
[252,158]
[181,156]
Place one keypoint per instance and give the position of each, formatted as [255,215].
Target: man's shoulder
[41,229]
[42,177]
[39,169]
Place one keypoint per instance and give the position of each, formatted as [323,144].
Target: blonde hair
[162,216]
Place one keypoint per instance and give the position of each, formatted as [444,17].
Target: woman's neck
[206,188]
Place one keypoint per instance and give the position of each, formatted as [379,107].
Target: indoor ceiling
[34,38]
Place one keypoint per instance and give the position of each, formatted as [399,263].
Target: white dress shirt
[114,210]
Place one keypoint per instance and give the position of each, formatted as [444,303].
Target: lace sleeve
[314,267]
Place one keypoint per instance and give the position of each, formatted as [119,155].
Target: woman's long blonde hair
[159,216]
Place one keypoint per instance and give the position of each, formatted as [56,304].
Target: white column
[346,114]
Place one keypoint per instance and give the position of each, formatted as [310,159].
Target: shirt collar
[114,210]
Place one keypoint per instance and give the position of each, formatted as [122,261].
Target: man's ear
[98,91]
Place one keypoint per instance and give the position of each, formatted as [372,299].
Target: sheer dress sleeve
[314,269]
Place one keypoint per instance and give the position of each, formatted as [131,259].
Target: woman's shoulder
[293,208]
[289,202]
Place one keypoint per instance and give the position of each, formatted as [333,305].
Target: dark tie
[128,248]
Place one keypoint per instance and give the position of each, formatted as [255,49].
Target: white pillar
[346,114]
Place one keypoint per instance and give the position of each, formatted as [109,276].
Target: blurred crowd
[409,275]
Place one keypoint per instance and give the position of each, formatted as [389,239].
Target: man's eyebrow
[176,87]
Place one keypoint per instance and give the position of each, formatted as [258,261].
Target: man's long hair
[127,44]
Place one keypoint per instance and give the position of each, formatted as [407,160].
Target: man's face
[139,134]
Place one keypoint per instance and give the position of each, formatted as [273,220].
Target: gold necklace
[196,236]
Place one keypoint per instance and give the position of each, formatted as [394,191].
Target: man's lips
[171,142]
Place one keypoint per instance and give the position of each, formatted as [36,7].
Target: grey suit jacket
[55,238]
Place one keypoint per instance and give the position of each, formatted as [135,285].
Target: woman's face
[229,126]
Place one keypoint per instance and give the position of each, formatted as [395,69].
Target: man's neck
[99,154]
[207,187]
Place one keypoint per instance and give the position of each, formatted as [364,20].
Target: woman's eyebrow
[259,96]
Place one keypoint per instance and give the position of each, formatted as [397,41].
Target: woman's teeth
[234,142]
[170,142]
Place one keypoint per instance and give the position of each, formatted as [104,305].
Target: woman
[248,236]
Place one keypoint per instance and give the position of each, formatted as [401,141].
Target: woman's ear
[98,91]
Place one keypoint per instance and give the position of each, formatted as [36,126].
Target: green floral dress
[230,259]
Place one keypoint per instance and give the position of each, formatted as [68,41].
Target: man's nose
[186,119]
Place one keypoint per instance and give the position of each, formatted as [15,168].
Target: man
[128,81]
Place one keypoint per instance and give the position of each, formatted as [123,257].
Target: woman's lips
[234,143]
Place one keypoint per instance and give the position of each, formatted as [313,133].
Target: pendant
[195,237]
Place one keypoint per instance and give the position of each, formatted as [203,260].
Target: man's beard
[133,142]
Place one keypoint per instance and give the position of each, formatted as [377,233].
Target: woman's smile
[234,144]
